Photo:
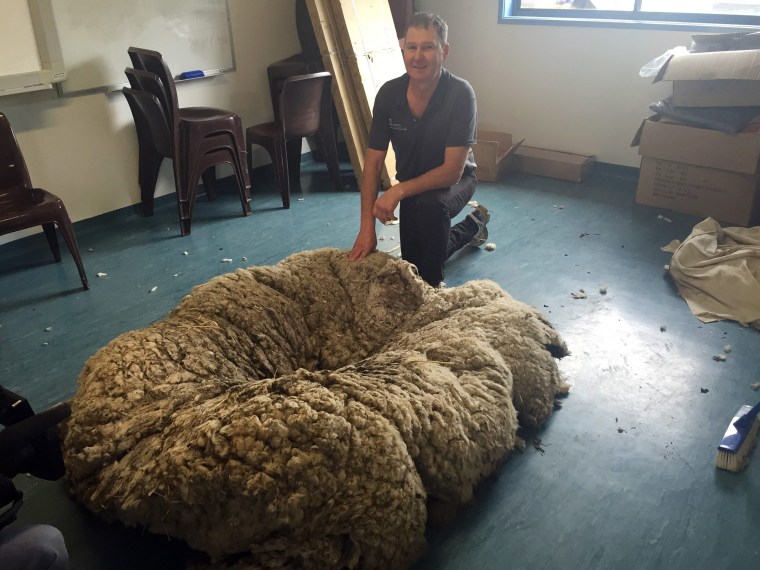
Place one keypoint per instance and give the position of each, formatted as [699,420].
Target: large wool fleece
[306,414]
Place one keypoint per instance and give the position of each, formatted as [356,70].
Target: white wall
[561,87]
[84,148]
[566,88]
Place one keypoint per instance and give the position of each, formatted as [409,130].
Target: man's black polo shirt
[420,144]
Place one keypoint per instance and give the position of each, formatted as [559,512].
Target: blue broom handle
[746,420]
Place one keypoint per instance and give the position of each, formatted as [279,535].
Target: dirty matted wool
[305,414]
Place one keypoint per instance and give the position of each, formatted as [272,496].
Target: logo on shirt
[395,126]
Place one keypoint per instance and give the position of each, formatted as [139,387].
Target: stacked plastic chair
[195,138]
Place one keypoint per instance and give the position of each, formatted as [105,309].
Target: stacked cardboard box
[714,79]
[554,163]
[495,154]
[697,170]
[492,153]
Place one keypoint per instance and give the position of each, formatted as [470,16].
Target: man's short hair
[425,20]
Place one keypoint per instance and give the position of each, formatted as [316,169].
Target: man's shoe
[481,217]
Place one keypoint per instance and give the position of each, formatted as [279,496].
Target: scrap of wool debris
[664,219]
[244,258]
[755,386]
[727,348]
[603,289]
[663,328]
[564,389]
[101,274]
[719,358]
[48,329]
[381,238]
[560,207]
[473,203]
[226,260]
[153,289]
[584,234]
[391,222]
[490,246]
[704,390]
[185,253]
[580,295]
[300,199]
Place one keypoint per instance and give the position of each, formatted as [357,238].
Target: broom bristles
[736,459]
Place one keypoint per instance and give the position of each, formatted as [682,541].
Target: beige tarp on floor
[717,271]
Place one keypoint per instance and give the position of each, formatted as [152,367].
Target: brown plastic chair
[304,109]
[201,137]
[154,138]
[23,206]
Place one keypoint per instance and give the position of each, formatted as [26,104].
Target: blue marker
[191,74]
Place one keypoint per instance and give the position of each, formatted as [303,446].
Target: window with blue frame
[678,12]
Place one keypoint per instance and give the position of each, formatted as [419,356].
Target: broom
[739,439]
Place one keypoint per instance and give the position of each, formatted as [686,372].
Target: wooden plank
[358,43]
[367,25]
[324,24]
[370,71]
[367,36]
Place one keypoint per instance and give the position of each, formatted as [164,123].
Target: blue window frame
[669,13]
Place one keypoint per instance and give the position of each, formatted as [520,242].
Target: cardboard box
[699,171]
[714,79]
[553,163]
[492,152]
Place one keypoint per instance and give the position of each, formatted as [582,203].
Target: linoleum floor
[623,475]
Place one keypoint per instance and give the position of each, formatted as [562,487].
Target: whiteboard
[17,31]
[30,55]
[95,35]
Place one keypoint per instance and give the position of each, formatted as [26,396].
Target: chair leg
[249,158]
[294,163]
[327,138]
[52,240]
[246,174]
[183,181]
[149,167]
[281,168]
[209,182]
[239,165]
[64,224]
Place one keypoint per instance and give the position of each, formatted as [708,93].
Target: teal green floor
[624,475]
